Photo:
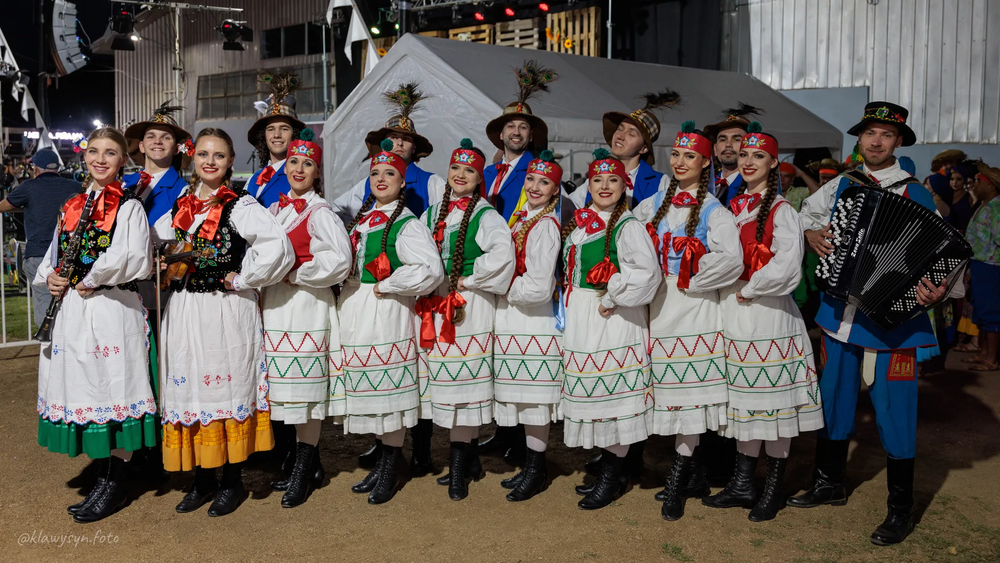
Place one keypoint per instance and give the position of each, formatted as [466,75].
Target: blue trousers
[894,395]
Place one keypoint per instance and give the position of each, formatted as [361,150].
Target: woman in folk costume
[94,393]
[475,244]
[394,261]
[699,250]
[527,356]
[305,373]
[611,275]
[773,388]
[214,391]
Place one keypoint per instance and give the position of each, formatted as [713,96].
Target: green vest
[370,247]
[590,253]
[471,249]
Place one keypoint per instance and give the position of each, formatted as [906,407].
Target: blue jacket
[730,193]
[268,193]
[647,183]
[417,199]
[163,195]
[915,333]
[506,200]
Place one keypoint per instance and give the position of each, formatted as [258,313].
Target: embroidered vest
[519,251]
[95,243]
[370,246]
[228,249]
[673,258]
[580,258]
[748,239]
[471,250]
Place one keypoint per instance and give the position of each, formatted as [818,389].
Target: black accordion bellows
[883,244]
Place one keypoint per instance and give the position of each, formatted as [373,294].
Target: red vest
[756,257]
[300,238]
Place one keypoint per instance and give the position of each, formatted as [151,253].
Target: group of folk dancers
[413,301]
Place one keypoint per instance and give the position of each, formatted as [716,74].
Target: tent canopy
[470,83]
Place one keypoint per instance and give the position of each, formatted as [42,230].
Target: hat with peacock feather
[403,100]
[280,104]
[644,119]
[734,118]
[532,78]
[163,117]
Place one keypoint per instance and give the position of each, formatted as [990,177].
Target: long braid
[365,207]
[766,201]
[392,218]
[443,212]
[458,253]
[694,217]
[522,233]
[661,211]
[609,231]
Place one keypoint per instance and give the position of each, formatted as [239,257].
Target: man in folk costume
[422,188]
[161,148]
[521,136]
[726,136]
[855,347]
[271,134]
[631,137]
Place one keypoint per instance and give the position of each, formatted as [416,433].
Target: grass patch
[17,316]
[676,552]
[631,522]
[756,542]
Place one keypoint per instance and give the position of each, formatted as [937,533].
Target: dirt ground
[957,492]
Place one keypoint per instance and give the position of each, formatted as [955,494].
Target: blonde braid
[522,233]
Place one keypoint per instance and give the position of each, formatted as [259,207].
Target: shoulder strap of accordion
[858,177]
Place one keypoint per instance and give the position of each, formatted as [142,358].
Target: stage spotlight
[234,33]
[479,16]
[543,7]
[122,22]
[509,11]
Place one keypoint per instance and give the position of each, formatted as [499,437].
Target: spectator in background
[40,200]
[795,194]
[984,235]
[961,203]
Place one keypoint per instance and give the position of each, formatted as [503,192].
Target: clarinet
[65,269]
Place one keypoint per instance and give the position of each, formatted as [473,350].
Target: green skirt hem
[97,440]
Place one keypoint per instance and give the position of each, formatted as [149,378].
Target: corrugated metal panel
[939,58]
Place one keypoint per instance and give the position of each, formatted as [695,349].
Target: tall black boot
[458,485]
[421,462]
[499,441]
[634,464]
[231,492]
[828,477]
[593,465]
[388,478]
[304,476]
[673,504]
[697,483]
[771,500]
[899,522]
[740,491]
[611,483]
[368,484]
[103,467]
[368,459]
[204,488]
[532,479]
[110,497]
[317,475]
[473,465]
[516,453]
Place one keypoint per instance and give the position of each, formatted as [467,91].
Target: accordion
[883,244]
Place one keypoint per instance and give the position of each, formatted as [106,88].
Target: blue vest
[268,193]
[700,232]
[647,183]
[417,199]
[915,333]
[505,201]
[163,195]
[732,191]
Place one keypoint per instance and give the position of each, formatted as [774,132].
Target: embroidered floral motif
[97,414]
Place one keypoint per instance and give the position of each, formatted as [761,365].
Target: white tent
[470,83]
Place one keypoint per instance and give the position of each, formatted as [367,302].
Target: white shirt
[495,188]
[276,166]
[332,254]
[732,178]
[542,249]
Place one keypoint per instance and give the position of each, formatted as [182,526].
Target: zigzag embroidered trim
[286,338]
[356,379]
[385,354]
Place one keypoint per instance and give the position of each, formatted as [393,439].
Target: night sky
[74,100]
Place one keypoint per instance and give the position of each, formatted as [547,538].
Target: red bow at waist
[691,249]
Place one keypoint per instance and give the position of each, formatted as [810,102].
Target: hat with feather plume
[402,101]
[643,118]
[280,103]
[163,118]
[532,78]
[738,117]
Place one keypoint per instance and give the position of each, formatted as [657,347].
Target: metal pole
[404,7]
[609,28]
[326,76]
[177,53]
[43,83]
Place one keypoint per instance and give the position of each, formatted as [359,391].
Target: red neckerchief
[105,208]
[190,206]
[299,204]
[462,203]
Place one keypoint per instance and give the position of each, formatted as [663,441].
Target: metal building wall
[939,58]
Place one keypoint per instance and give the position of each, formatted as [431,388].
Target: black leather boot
[103,467]
[828,477]
[740,491]
[593,465]
[517,450]
[511,482]
[771,500]
[109,498]
[899,522]
[458,484]
[673,503]
[501,439]
[204,488]
[473,465]
[367,484]
[286,472]
[420,462]
[697,482]
[634,464]
[532,479]
[610,484]
[368,459]
[388,478]
[231,492]
[307,475]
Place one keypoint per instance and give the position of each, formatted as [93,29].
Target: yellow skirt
[965,325]
[220,442]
